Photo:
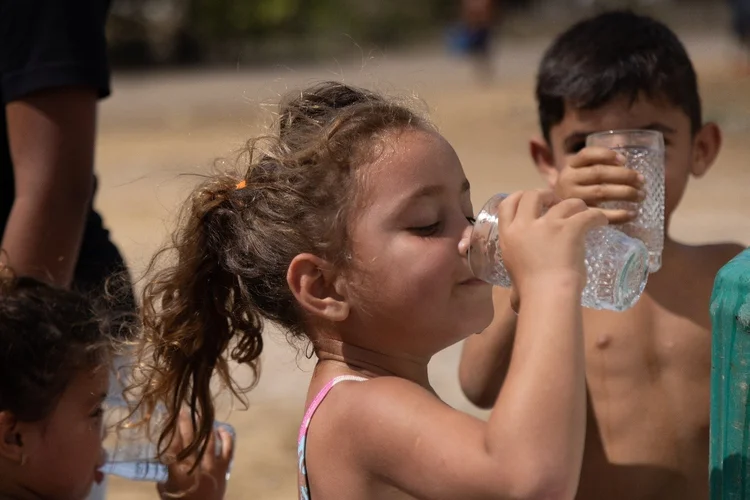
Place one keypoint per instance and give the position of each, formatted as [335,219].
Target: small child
[54,377]
[473,36]
[350,228]
[648,368]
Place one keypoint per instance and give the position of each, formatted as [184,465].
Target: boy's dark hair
[47,335]
[612,55]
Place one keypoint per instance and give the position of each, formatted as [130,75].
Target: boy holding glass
[648,368]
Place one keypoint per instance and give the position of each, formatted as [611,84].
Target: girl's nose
[465,241]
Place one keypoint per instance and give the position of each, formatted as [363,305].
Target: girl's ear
[11,440]
[318,288]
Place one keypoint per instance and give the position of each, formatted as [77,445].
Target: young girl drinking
[54,376]
[350,229]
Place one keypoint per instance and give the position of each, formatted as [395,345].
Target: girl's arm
[532,445]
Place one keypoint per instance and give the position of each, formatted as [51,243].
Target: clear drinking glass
[131,446]
[616,264]
[644,151]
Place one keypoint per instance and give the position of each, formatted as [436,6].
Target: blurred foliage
[247,32]
[218,30]
[365,21]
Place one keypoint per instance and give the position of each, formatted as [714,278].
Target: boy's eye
[430,230]
[472,220]
[576,147]
[97,413]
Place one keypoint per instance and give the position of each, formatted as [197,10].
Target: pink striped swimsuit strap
[304,488]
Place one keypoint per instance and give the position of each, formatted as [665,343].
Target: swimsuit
[304,486]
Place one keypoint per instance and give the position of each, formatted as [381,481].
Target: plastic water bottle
[616,264]
[131,451]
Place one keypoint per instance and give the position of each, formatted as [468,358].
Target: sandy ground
[158,126]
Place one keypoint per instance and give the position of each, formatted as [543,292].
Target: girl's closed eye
[434,228]
[426,231]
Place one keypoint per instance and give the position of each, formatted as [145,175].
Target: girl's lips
[473,281]
[98,477]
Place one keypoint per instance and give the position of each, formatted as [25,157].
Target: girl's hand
[208,481]
[542,237]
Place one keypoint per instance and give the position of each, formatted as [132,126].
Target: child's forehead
[413,157]
[88,384]
[623,112]
[625,105]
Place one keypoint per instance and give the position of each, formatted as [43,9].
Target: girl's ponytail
[194,310]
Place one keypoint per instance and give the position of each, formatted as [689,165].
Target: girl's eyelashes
[426,231]
[97,413]
[434,228]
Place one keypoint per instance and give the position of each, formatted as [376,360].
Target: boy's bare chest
[648,373]
[650,344]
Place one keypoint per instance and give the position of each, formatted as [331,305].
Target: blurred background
[255,32]
[194,79]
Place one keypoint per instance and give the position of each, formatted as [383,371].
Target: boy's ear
[706,146]
[11,442]
[318,288]
[544,160]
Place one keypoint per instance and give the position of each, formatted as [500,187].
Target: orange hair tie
[242,184]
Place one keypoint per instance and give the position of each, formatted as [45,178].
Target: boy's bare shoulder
[713,257]
[690,274]
[705,261]
[684,285]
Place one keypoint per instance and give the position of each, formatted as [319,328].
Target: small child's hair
[612,55]
[298,190]
[47,336]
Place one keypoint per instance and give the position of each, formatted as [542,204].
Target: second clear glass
[644,152]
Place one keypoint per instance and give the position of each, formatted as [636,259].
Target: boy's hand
[209,479]
[597,175]
[538,246]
